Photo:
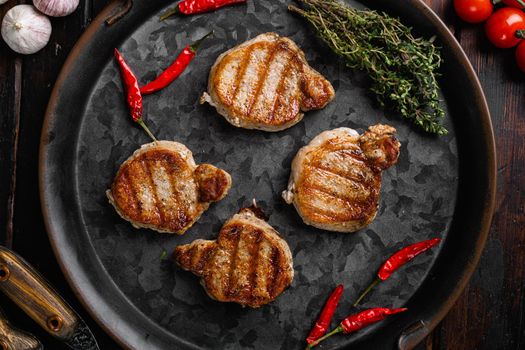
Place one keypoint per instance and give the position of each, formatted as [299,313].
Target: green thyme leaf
[403,69]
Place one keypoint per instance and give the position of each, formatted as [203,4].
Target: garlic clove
[25,29]
[56,8]
[3,1]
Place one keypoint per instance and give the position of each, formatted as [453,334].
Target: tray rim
[489,206]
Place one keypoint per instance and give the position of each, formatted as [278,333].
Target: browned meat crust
[249,263]
[336,179]
[266,83]
[160,187]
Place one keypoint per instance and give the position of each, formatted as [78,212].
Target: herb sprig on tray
[402,67]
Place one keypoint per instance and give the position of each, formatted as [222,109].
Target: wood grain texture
[30,239]
[489,315]
[12,338]
[491,312]
[23,285]
[10,97]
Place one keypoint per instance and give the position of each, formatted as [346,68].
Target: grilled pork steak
[160,187]
[248,264]
[266,84]
[336,179]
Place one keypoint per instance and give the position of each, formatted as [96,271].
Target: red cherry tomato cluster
[505,27]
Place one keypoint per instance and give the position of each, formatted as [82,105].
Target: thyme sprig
[403,68]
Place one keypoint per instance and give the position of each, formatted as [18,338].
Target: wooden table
[489,315]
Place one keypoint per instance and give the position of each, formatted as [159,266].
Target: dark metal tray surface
[441,186]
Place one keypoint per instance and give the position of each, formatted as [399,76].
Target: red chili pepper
[356,322]
[322,324]
[175,69]
[133,95]
[190,7]
[397,260]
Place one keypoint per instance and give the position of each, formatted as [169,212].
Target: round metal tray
[442,186]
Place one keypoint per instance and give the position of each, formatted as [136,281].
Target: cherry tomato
[519,4]
[473,11]
[520,56]
[501,27]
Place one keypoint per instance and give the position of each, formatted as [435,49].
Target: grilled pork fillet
[248,264]
[336,179]
[160,187]
[266,84]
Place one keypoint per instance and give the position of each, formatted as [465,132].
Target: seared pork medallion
[336,179]
[248,264]
[160,187]
[266,84]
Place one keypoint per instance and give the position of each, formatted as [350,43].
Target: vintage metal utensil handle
[12,338]
[33,294]
[413,335]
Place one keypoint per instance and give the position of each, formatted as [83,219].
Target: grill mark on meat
[156,188]
[249,86]
[261,278]
[252,276]
[355,154]
[332,192]
[242,71]
[288,104]
[243,265]
[274,275]
[206,255]
[144,196]
[151,184]
[244,261]
[268,91]
[337,185]
[216,273]
[175,198]
[318,200]
[236,238]
[130,195]
[319,215]
[356,176]
[191,255]
[327,152]
[280,87]
[252,75]
[360,174]
[262,77]
[164,187]
[228,71]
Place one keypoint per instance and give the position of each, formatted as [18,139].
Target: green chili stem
[339,329]
[368,289]
[169,13]
[141,123]
[195,46]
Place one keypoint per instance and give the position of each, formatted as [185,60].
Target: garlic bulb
[56,8]
[25,29]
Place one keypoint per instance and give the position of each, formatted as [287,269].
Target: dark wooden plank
[490,313]
[10,95]
[30,238]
